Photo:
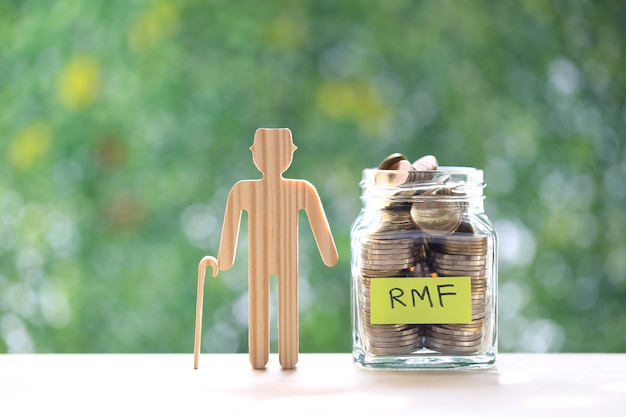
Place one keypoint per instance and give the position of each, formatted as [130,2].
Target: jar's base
[430,360]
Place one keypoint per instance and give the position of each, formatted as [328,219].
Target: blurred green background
[123,124]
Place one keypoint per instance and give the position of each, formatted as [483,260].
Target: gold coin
[436,220]
[402,251]
[444,330]
[450,350]
[390,329]
[456,257]
[388,270]
[376,239]
[454,343]
[393,239]
[425,163]
[394,351]
[459,262]
[381,338]
[393,236]
[398,330]
[384,271]
[399,266]
[393,344]
[465,326]
[478,274]
[464,241]
[399,253]
[454,351]
[387,330]
[395,341]
[454,340]
[475,267]
[470,248]
[391,161]
[479,315]
[367,273]
[394,334]
[387,264]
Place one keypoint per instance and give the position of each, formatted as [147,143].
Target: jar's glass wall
[429,229]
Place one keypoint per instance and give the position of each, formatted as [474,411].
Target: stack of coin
[389,252]
[455,255]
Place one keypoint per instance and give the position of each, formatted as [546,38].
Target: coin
[395,161]
[452,332]
[392,342]
[454,343]
[388,329]
[475,326]
[395,329]
[446,349]
[399,253]
[479,314]
[425,163]
[446,272]
[395,235]
[436,220]
[391,162]
[399,331]
[389,247]
[477,263]
[388,263]
[472,267]
[453,340]
[397,335]
[392,269]
[394,351]
[457,257]
[367,273]
[375,240]
[463,247]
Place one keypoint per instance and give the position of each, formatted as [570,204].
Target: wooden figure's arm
[319,225]
[230,230]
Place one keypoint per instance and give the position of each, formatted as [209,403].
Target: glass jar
[424,271]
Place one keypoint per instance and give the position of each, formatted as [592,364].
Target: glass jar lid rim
[447,176]
[447,169]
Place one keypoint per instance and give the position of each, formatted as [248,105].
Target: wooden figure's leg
[288,317]
[258,318]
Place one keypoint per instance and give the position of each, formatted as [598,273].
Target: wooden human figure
[272,203]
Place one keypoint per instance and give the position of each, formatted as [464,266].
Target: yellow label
[421,300]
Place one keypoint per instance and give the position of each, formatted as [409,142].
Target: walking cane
[206,261]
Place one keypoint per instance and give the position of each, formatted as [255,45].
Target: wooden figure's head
[272,150]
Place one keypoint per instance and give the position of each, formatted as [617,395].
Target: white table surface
[592,385]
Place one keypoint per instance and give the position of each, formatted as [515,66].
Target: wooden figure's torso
[273,208]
